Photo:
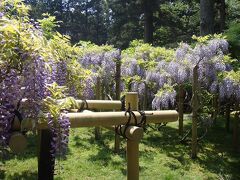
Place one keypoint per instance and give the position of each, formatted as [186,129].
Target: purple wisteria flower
[1,14]
[88,92]
[10,95]
[60,131]
[165,100]
[226,88]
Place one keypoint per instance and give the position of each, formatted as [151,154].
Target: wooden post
[118,93]
[236,128]
[180,108]
[195,107]
[227,116]
[215,108]
[46,160]
[145,100]
[118,79]
[98,90]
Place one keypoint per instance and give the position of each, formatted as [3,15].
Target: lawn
[161,157]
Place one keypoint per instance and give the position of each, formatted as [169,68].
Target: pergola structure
[129,124]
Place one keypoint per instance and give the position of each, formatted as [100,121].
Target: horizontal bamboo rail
[100,104]
[115,118]
[95,104]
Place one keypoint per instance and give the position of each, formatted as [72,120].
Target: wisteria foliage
[39,70]
[30,64]
[210,54]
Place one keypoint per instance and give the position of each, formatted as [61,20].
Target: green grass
[161,157]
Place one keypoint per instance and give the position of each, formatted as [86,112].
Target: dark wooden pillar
[46,160]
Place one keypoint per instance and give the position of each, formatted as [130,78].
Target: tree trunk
[227,116]
[215,104]
[195,107]
[118,94]
[148,21]
[86,20]
[222,13]
[118,79]
[180,109]
[206,17]
[236,128]
[98,91]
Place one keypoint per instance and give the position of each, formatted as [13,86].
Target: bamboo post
[118,92]
[133,153]
[195,106]
[98,90]
[180,109]
[46,159]
[131,99]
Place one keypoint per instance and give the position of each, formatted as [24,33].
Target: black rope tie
[19,116]
[128,111]
[143,119]
[84,102]
[131,114]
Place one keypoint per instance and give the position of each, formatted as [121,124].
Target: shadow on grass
[103,147]
[215,151]
[105,153]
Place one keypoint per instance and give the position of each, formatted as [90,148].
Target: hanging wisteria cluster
[102,66]
[142,71]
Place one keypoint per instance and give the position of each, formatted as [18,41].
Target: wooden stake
[195,107]
[118,79]
[180,109]
[227,116]
[215,108]
[236,128]
[98,90]
[118,92]
[145,99]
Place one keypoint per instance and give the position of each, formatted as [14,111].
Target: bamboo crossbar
[100,104]
[96,104]
[115,118]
